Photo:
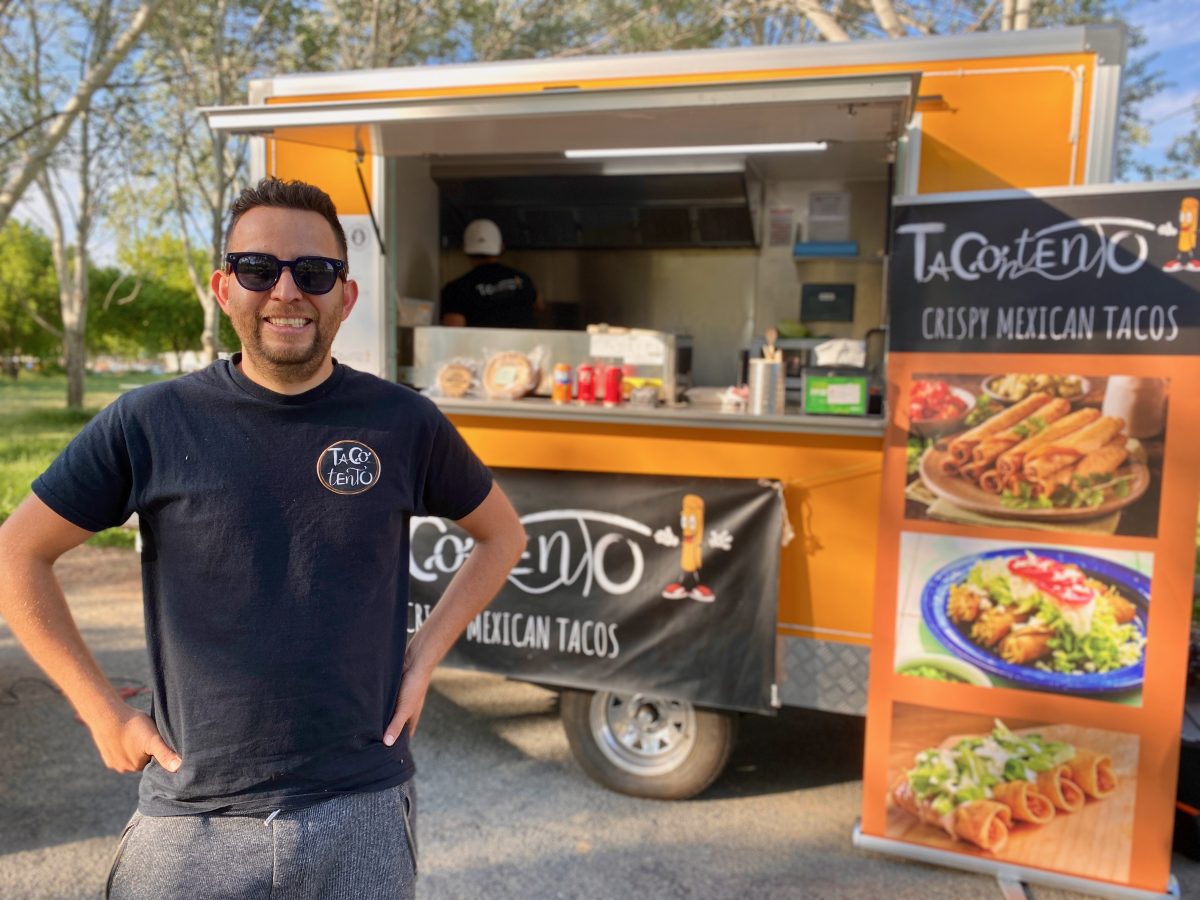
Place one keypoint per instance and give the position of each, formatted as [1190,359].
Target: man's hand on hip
[414,685]
[129,739]
[33,605]
[499,541]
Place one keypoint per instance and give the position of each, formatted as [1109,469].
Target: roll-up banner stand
[1034,590]
[633,583]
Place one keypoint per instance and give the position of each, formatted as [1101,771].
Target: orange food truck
[686,216]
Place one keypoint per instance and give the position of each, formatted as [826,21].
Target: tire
[647,746]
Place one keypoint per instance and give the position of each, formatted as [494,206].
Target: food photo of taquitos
[977,793]
[1027,803]
[1058,462]
[961,447]
[1093,772]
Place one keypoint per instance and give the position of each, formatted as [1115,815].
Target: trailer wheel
[647,746]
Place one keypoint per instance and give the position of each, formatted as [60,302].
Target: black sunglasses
[260,271]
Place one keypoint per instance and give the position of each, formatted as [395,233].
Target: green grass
[35,426]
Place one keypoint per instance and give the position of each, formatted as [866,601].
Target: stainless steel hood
[582,210]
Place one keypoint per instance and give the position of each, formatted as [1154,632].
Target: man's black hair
[287,195]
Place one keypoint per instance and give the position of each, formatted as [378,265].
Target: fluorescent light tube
[670,166]
[712,150]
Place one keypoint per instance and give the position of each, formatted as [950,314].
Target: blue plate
[1134,586]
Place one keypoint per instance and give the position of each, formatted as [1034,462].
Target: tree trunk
[62,271]
[76,359]
[885,12]
[825,23]
[1021,15]
[74,306]
[210,340]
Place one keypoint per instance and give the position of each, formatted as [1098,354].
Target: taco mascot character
[1189,211]
[691,523]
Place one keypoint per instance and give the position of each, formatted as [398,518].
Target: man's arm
[32,603]
[452,314]
[499,541]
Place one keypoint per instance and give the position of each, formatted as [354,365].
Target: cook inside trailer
[374,141]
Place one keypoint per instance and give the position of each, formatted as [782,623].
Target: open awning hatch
[849,109]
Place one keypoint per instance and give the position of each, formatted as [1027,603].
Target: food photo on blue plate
[1026,616]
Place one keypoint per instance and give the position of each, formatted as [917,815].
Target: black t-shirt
[492,295]
[275,571]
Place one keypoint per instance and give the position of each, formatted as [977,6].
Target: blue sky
[1172,28]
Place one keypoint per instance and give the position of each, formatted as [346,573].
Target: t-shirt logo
[348,467]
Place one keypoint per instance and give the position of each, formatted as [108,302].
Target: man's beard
[292,362]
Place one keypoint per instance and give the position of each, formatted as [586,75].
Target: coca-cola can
[585,383]
[613,376]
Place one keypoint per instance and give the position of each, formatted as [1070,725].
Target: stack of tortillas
[509,375]
[454,379]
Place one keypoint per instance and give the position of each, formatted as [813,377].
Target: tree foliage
[90,154]
[145,305]
[141,318]
[28,291]
[39,112]
[360,34]
[1183,156]
[183,175]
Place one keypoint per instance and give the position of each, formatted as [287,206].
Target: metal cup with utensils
[766,387]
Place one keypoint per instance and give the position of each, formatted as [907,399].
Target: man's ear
[349,297]
[220,288]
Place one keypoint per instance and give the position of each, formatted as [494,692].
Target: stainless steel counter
[671,417]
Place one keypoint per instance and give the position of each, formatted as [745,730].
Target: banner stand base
[1012,888]
[1008,876]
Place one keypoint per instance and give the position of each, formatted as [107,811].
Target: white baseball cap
[483,238]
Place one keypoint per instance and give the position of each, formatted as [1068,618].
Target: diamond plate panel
[824,675]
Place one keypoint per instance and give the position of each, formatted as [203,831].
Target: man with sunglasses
[274,492]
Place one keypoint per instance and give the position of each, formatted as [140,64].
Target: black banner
[1093,273]
[630,583]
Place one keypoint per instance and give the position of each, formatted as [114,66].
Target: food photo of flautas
[1053,452]
[1053,796]
[1025,616]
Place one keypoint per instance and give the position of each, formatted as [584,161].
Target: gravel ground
[504,810]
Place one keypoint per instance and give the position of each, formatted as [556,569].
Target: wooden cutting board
[1094,842]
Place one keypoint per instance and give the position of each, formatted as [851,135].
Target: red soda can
[561,390]
[613,376]
[585,381]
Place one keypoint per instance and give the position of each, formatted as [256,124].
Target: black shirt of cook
[492,295]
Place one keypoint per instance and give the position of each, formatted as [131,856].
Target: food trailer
[682,204]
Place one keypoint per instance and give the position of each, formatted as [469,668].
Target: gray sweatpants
[356,847]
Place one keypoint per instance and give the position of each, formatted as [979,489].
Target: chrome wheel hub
[641,734]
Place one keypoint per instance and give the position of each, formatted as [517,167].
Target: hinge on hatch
[775,697]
